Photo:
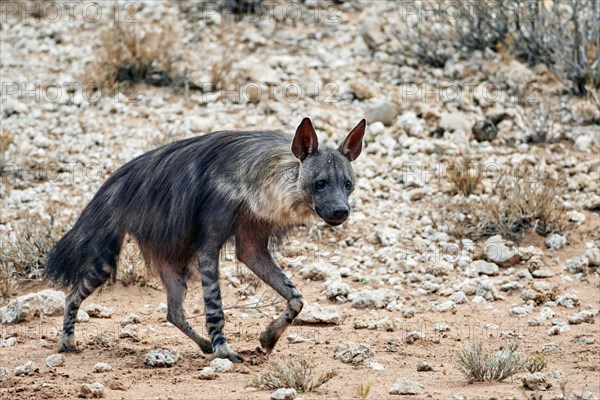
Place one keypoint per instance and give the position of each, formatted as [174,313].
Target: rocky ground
[398,277]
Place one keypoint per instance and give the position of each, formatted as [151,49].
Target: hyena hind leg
[96,276]
[176,286]
[213,306]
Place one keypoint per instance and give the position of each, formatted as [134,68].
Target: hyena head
[326,176]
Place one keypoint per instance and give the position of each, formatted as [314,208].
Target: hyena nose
[340,213]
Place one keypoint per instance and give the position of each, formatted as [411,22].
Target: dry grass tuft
[25,257]
[466,175]
[535,363]
[363,390]
[520,201]
[131,269]
[480,366]
[299,374]
[137,52]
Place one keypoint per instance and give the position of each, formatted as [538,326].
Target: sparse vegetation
[299,374]
[535,363]
[363,390]
[564,35]
[466,175]
[25,257]
[477,365]
[520,201]
[136,53]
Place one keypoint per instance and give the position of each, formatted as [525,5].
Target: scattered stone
[162,308]
[586,340]
[536,381]
[424,366]
[593,256]
[586,316]
[403,386]
[284,394]
[3,376]
[576,265]
[459,297]
[369,298]
[11,341]
[161,358]
[413,336]
[444,306]
[542,273]
[354,353]
[550,348]
[482,267]
[375,322]
[385,113]
[32,305]
[587,395]
[130,319]
[102,367]
[55,360]
[336,289]
[221,365]
[29,368]
[555,241]
[295,338]
[455,121]
[497,252]
[82,316]
[576,216]
[207,373]
[519,311]
[457,396]
[317,314]
[375,366]
[569,300]
[98,311]
[92,390]
[129,331]
[315,271]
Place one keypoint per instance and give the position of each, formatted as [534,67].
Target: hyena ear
[305,141]
[352,145]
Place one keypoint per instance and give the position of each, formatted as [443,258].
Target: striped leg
[252,250]
[215,319]
[176,285]
[95,277]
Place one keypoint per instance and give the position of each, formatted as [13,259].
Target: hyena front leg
[215,319]
[175,281]
[94,278]
[253,251]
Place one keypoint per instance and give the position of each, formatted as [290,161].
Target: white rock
[586,316]
[221,365]
[576,265]
[521,310]
[413,336]
[284,394]
[161,358]
[92,390]
[369,298]
[317,314]
[482,267]
[82,316]
[576,216]
[583,143]
[555,241]
[536,381]
[11,341]
[29,306]
[444,306]
[384,112]
[336,289]
[498,252]
[129,331]
[207,373]
[3,376]
[353,353]
[375,366]
[55,360]
[404,386]
[29,368]
[130,319]
[459,297]
[295,338]
[102,367]
[98,311]
[455,121]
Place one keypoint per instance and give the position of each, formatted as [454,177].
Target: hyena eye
[348,185]
[320,185]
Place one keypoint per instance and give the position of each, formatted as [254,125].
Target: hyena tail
[87,254]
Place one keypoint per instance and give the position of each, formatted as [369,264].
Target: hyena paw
[206,347]
[228,354]
[268,339]
[67,345]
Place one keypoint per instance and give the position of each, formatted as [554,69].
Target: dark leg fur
[92,280]
[176,286]
[215,319]
[252,249]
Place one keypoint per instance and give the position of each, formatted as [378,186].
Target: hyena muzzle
[183,201]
